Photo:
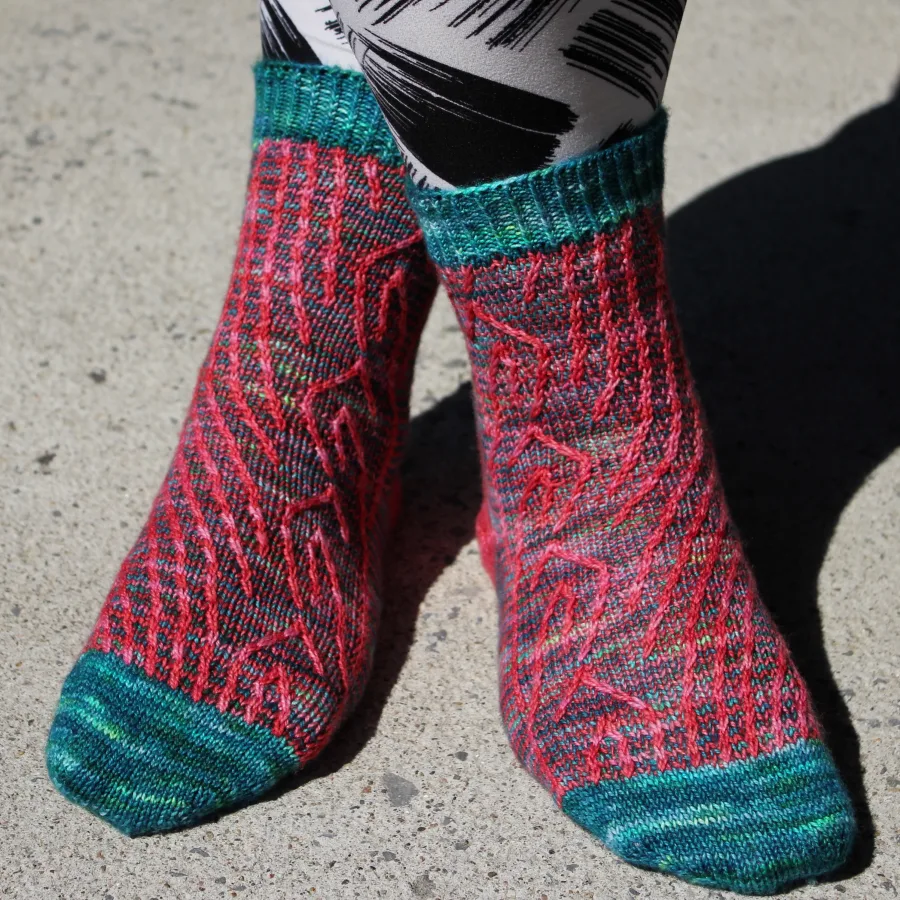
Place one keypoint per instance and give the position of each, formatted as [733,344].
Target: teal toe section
[147,758]
[753,826]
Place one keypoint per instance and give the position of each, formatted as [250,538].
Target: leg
[304,31]
[238,634]
[643,682]
[478,91]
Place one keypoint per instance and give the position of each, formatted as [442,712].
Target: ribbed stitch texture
[642,678]
[331,106]
[252,592]
[570,201]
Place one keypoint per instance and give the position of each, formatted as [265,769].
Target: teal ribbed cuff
[325,104]
[539,211]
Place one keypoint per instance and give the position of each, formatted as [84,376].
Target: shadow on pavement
[787,279]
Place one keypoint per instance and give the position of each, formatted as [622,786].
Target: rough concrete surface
[123,153]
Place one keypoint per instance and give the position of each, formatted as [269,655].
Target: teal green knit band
[539,211]
[147,758]
[325,104]
[754,825]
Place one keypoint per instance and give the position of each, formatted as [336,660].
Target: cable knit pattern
[240,629]
[642,680]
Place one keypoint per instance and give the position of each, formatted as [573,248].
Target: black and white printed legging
[478,90]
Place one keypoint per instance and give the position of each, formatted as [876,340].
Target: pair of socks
[642,680]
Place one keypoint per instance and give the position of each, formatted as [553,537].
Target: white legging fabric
[479,90]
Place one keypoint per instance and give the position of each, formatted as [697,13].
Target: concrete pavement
[123,154]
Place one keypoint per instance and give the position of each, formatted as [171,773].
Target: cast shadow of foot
[786,278]
[441,496]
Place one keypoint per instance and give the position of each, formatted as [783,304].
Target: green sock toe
[147,758]
[753,826]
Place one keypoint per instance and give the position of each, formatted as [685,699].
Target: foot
[240,629]
[642,679]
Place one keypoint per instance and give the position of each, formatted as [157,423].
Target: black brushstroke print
[624,131]
[617,48]
[518,32]
[482,15]
[464,128]
[333,24]
[280,38]
[392,8]
[665,14]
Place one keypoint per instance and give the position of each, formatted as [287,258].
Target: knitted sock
[642,680]
[239,631]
